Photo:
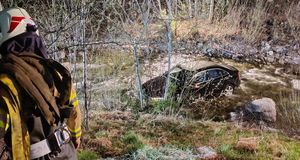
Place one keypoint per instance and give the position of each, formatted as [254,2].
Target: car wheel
[228,91]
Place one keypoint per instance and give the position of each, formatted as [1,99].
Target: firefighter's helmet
[15,21]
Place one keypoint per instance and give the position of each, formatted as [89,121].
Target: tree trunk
[196,8]
[203,7]
[175,16]
[169,48]
[211,10]
[82,20]
[190,9]
[137,71]
[54,35]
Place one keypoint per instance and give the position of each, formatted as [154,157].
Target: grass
[254,30]
[225,149]
[108,65]
[132,142]
[87,155]
[109,75]
[165,107]
[116,63]
[164,152]
[293,19]
[150,136]
[288,111]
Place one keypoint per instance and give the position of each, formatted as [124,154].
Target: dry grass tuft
[293,17]
[289,112]
[247,144]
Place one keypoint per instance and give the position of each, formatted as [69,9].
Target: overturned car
[206,81]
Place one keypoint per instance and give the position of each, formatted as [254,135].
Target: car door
[216,81]
[199,84]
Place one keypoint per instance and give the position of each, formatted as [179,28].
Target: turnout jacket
[25,122]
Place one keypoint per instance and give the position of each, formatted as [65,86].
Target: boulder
[270,53]
[294,60]
[296,46]
[200,45]
[270,59]
[266,47]
[261,109]
[257,111]
[296,84]
[281,50]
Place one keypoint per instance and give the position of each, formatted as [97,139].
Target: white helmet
[14,21]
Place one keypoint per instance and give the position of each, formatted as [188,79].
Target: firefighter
[39,112]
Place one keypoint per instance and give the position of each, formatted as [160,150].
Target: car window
[214,73]
[224,73]
[174,77]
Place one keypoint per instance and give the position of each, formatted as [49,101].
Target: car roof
[202,65]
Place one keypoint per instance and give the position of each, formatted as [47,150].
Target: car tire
[228,90]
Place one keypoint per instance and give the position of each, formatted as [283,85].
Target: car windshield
[175,70]
[174,73]
[200,77]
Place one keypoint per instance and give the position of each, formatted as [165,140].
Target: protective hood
[25,42]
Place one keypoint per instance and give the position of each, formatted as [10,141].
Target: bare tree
[138,73]
[196,10]
[189,3]
[211,10]
[169,48]
[84,62]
